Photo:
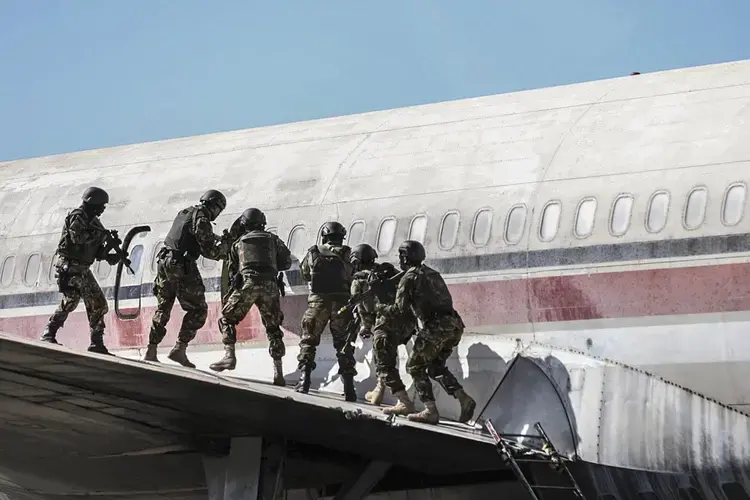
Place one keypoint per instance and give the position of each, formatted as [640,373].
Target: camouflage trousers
[432,348]
[264,293]
[181,281]
[78,283]
[321,311]
[386,337]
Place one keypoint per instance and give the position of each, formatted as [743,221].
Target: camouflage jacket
[422,291]
[204,234]
[82,238]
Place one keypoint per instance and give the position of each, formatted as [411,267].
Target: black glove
[365,333]
[112,259]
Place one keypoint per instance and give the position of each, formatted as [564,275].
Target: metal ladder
[513,453]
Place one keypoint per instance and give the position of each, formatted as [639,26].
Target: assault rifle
[113,242]
[353,327]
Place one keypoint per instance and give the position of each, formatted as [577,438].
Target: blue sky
[82,74]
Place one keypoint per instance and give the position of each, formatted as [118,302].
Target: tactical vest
[329,272]
[257,250]
[181,238]
[84,253]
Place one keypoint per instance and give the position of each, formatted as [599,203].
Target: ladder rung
[530,436]
[534,460]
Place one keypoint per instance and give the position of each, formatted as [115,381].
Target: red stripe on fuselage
[680,290]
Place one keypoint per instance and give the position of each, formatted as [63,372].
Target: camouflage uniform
[388,331]
[259,287]
[322,309]
[81,243]
[178,278]
[423,291]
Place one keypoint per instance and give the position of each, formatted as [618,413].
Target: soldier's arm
[366,314]
[404,295]
[283,255]
[83,233]
[304,268]
[234,260]
[204,233]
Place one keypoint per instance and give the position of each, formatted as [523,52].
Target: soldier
[389,331]
[424,291]
[254,261]
[83,240]
[178,277]
[328,270]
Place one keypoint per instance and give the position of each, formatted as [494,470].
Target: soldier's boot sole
[151,354]
[50,340]
[178,355]
[224,364]
[99,349]
[429,415]
[278,373]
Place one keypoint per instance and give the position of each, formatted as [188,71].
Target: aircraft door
[129,286]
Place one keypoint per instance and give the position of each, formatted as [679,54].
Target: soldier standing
[83,240]
[254,261]
[424,291]
[178,276]
[388,332]
[328,270]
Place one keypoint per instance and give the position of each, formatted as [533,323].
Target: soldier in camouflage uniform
[424,291]
[328,270]
[83,241]
[178,276]
[388,332]
[254,261]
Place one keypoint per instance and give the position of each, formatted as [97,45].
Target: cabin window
[296,242]
[734,205]
[449,230]
[273,230]
[103,269]
[418,228]
[480,231]
[658,208]
[386,234]
[515,224]
[695,208]
[734,491]
[319,240]
[550,221]
[208,264]
[135,257]
[155,257]
[622,210]
[356,233]
[585,218]
[6,275]
[53,268]
[33,266]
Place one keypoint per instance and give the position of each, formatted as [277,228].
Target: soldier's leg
[236,307]
[69,286]
[451,337]
[165,291]
[339,325]
[191,294]
[313,323]
[426,348]
[385,354]
[269,306]
[96,308]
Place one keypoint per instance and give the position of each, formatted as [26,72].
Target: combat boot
[278,373]
[303,385]
[468,405]
[97,344]
[429,415]
[350,394]
[151,353]
[49,335]
[404,407]
[375,396]
[228,362]
[177,354]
